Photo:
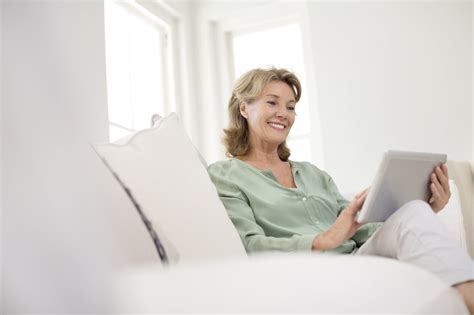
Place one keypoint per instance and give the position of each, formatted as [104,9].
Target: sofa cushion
[162,169]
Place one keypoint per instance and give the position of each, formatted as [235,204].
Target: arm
[364,232]
[344,227]
[251,234]
[240,211]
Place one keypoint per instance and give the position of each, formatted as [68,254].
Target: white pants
[415,235]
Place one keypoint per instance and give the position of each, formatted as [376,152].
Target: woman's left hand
[439,188]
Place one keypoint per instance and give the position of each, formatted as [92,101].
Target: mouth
[277,126]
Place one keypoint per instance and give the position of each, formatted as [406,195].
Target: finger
[435,193]
[360,202]
[362,192]
[443,179]
[366,192]
[444,189]
[440,188]
[354,206]
[363,197]
[358,225]
[445,170]
[434,180]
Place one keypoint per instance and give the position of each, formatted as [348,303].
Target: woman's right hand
[344,227]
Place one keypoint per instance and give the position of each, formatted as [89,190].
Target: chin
[279,141]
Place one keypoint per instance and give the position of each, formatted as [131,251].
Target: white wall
[67,227]
[391,75]
[1,150]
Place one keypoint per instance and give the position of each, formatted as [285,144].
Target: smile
[277,126]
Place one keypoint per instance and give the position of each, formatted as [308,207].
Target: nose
[281,113]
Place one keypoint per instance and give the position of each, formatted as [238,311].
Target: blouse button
[304,198]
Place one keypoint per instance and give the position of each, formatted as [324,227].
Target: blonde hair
[246,89]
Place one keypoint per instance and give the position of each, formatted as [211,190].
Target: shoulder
[226,177]
[224,170]
[221,167]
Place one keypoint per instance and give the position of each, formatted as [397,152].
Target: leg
[414,234]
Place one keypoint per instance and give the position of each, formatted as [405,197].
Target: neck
[263,154]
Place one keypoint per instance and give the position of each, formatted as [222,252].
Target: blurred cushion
[289,283]
[164,173]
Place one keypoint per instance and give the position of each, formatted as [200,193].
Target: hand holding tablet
[439,188]
[402,177]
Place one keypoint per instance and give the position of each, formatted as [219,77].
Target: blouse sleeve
[252,235]
[341,201]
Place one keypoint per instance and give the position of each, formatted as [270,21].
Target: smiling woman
[290,56]
[270,116]
[277,204]
[263,101]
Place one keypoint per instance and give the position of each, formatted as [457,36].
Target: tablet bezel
[376,209]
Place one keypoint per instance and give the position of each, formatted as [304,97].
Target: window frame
[169,21]
[250,17]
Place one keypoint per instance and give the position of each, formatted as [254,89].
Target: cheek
[291,120]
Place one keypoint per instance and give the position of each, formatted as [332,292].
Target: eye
[291,107]
[271,102]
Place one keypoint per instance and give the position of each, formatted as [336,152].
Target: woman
[283,205]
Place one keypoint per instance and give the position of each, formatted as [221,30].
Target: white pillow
[164,173]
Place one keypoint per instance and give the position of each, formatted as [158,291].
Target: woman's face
[271,115]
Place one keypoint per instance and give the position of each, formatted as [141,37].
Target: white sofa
[209,271]
[102,259]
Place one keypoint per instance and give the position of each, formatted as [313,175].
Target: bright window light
[134,59]
[280,47]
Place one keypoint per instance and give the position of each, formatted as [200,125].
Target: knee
[414,210]
[419,205]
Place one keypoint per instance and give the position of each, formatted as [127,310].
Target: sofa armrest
[462,174]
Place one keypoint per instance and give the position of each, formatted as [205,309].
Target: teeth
[279,126]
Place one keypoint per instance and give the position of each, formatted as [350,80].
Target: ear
[243,109]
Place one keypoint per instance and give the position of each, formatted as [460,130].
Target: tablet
[402,176]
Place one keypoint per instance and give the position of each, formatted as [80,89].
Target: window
[138,67]
[281,47]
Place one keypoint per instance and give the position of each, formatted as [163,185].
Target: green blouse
[271,217]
